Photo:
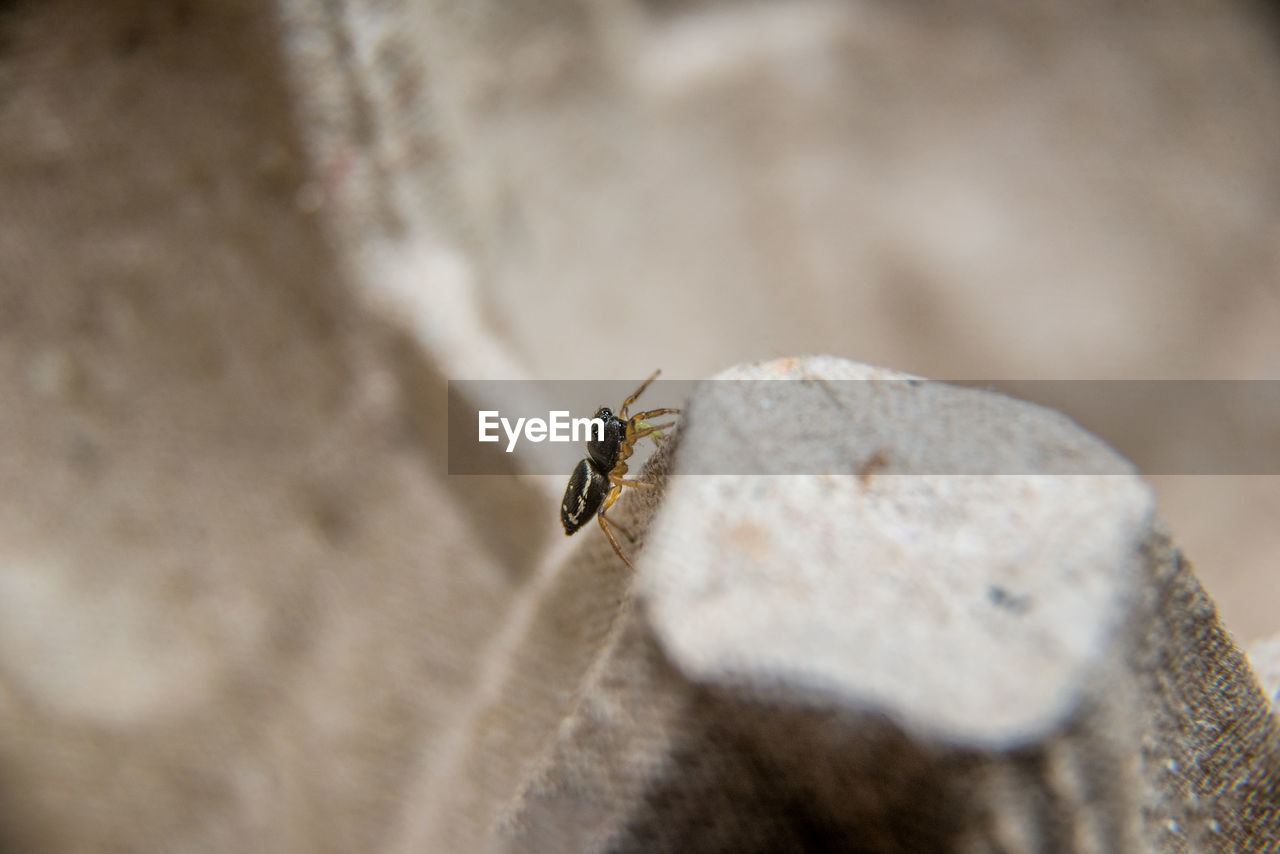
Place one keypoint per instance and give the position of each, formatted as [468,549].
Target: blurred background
[244,244]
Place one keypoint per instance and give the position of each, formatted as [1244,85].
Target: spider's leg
[622,413]
[640,433]
[618,488]
[654,413]
[617,479]
[627,448]
[605,525]
[623,528]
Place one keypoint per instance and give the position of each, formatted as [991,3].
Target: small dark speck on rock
[1004,599]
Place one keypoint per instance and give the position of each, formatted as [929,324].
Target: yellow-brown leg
[617,479]
[636,435]
[624,453]
[633,435]
[605,525]
[628,446]
[614,523]
[622,413]
[653,413]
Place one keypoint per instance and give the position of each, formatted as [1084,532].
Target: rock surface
[900,659]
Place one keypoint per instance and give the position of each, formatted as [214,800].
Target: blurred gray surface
[243,246]
[591,191]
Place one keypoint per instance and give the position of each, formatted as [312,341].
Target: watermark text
[558,427]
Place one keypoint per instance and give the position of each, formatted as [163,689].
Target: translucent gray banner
[1164,427]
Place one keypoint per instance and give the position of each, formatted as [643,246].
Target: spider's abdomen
[583,496]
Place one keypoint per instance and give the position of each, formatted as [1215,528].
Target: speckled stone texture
[900,659]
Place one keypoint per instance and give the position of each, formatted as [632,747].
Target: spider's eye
[604,413]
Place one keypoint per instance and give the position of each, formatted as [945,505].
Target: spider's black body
[598,479]
[589,483]
[584,495]
[604,451]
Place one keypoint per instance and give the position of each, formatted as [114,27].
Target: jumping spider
[597,481]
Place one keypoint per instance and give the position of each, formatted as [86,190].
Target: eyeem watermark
[537,430]
[1165,427]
